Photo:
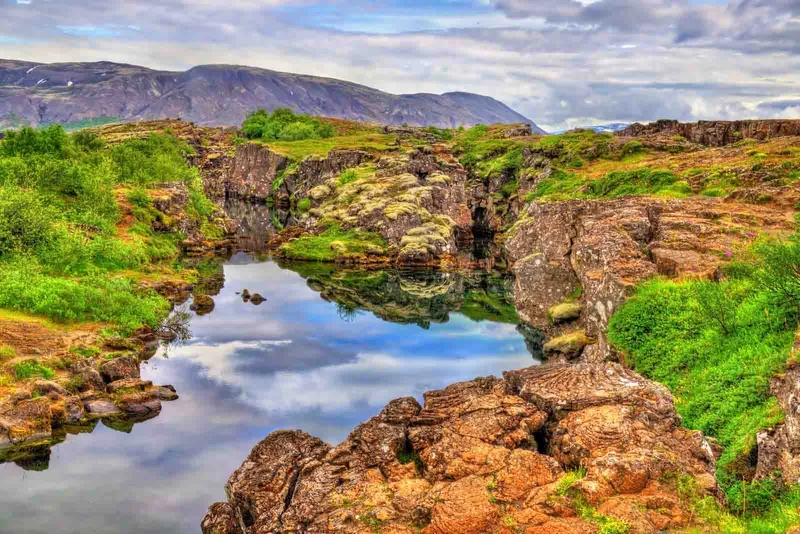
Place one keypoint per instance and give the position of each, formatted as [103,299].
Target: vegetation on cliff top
[284,125]
[716,345]
[64,242]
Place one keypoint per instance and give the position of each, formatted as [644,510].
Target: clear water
[326,351]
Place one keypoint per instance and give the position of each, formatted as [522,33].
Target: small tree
[719,304]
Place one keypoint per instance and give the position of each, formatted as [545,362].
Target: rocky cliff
[39,93]
[716,133]
[483,456]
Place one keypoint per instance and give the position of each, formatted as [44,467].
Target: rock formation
[602,249]
[716,133]
[484,456]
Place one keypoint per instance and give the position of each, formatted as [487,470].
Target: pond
[326,351]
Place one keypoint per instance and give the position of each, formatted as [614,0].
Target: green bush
[285,125]
[52,141]
[26,223]
[155,159]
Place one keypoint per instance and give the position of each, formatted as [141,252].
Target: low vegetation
[332,243]
[716,345]
[63,243]
[284,125]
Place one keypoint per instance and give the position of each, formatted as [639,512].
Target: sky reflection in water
[292,362]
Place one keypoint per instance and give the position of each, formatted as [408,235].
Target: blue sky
[562,63]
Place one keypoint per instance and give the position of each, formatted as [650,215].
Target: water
[326,351]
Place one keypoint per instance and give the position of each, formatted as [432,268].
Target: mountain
[601,128]
[80,93]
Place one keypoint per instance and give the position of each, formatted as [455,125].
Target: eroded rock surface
[484,456]
[602,249]
[716,133]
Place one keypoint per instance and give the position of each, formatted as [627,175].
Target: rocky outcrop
[602,249]
[314,171]
[779,447]
[37,417]
[250,175]
[716,133]
[484,456]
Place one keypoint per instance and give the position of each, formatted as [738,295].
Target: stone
[49,389]
[565,312]
[779,447]
[202,304]
[570,346]
[102,407]
[25,420]
[257,299]
[220,519]
[120,368]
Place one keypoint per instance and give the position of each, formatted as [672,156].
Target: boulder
[779,447]
[120,368]
[569,346]
[202,304]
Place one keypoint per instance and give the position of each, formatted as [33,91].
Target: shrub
[283,124]
[7,353]
[140,198]
[52,141]
[156,159]
[26,224]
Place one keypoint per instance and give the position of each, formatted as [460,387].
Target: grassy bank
[75,215]
[716,345]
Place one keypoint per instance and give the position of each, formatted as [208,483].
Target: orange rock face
[486,456]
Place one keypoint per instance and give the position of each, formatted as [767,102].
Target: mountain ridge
[219,94]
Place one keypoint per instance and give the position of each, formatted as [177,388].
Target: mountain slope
[36,93]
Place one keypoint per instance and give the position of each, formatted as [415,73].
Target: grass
[716,345]
[62,249]
[563,185]
[299,150]
[332,243]
[605,523]
[32,369]
[569,479]
[7,353]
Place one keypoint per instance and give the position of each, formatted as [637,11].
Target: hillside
[79,94]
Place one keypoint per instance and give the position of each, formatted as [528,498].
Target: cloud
[559,62]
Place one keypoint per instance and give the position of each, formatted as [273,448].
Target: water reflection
[328,349]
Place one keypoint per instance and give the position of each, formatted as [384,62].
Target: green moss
[85,351]
[605,523]
[303,205]
[565,312]
[318,247]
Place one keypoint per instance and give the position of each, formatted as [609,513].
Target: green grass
[7,353]
[716,345]
[89,123]
[348,176]
[299,150]
[32,369]
[334,241]
[605,523]
[566,185]
[569,479]
[59,243]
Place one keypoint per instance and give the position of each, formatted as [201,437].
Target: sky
[562,63]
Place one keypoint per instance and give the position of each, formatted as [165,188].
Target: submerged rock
[257,299]
[479,456]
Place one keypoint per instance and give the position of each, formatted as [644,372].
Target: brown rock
[120,368]
[220,519]
[464,507]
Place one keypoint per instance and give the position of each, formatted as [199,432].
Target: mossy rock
[569,345]
[565,312]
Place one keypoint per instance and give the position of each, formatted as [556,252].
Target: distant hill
[600,128]
[93,93]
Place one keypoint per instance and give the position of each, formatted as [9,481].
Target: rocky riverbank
[559,448]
